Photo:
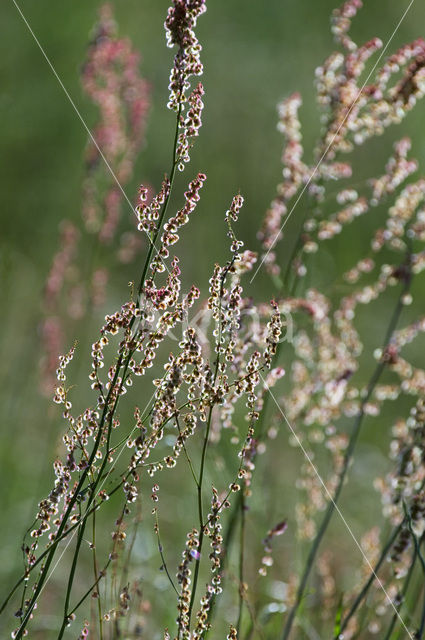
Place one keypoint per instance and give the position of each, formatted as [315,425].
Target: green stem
[241,561]
[63,524]
[70,529]
[189,461]
[161,553]
[95,574]
[89,503]
[403,596]
[347,459]
[165,206]
[200,512]
[206,441]
[89,590]
[72,502]
[364,591]
[71,579]
[230,530]
[420,632]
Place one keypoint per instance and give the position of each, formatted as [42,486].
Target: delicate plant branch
[402,597]
[347,459]
[203,382]
[369,582]
[241,562]
[161,553]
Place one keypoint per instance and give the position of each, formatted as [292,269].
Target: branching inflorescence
[220,378]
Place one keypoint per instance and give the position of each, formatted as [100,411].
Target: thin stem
[414,536]
[206,441]
[165,206]
[88,512]
[395,617]
[95,573]
[363,592]
[259,430]
[102,573]
[73,499]
[200,511]
[241,561]
[72,502]
[126,564]
[161,553]
[189,461]
[70,529]
[226,546]
[142,280]
[347,459]
[421,629]
[236,510]
[90,500]
[71,579]
[88,592]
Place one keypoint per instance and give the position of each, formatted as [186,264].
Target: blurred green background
[254,55]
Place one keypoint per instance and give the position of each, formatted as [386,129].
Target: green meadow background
[255,53]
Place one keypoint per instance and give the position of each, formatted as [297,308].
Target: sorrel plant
[242,370]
